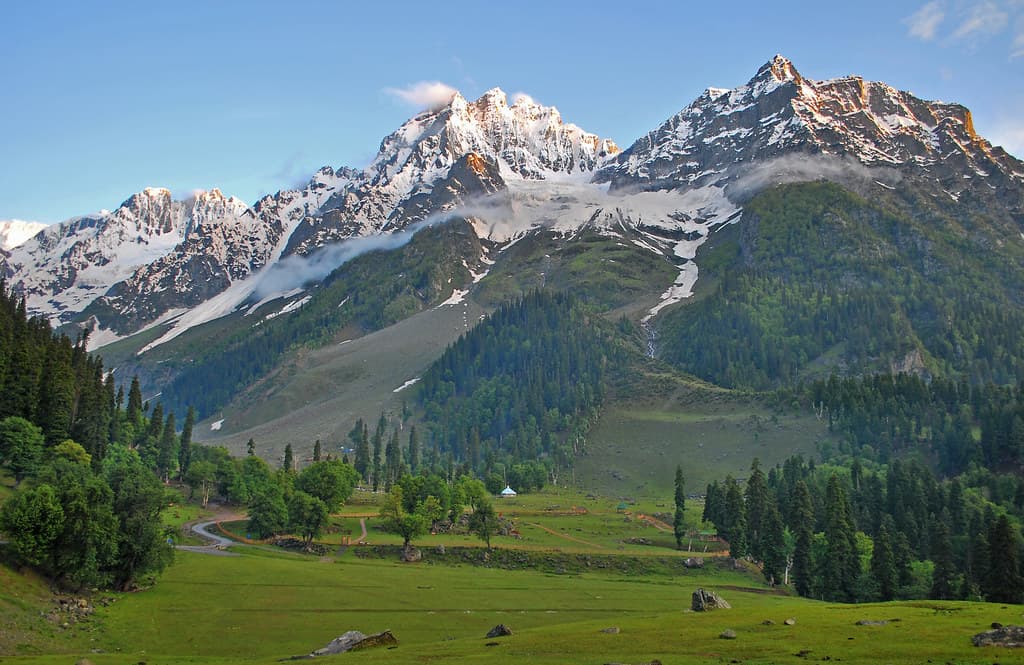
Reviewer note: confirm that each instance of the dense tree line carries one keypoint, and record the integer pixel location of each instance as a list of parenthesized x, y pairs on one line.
[(855, 533), (817, 276), (87, 508), (522, 385), (956, 425)]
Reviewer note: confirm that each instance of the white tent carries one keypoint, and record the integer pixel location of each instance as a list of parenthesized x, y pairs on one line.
[(507, 492)]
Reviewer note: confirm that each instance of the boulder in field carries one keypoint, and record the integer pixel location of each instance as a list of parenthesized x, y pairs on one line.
[(501, 630), (705, 601), (1005, 636)]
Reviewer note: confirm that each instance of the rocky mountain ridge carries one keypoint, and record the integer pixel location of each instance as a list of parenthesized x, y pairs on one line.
[(514, 169)]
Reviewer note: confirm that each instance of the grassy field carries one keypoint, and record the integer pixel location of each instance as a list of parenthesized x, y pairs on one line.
[(260, 607), (634, 448)]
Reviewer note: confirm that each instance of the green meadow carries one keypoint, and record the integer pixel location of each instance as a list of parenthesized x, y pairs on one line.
[(260, 607), (265, 604)]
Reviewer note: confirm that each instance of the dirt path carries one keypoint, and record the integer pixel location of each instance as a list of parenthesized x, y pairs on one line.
[(565, 535), (362, 525), (655, 522), (216, 542)]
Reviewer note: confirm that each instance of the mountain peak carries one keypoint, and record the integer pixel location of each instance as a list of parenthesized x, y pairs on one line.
[(780, 69), (495, 97)]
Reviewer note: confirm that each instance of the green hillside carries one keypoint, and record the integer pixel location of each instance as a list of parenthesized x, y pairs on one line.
[(816, 279)]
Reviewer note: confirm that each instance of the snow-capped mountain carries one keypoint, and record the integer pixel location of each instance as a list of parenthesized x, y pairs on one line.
[(65, 267), (217, 251), (779, 112), (511, 170), (14, 232), (420, 168)]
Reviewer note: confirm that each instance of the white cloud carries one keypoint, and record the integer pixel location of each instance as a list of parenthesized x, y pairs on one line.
[(518, 97), (424, 94), (925, 21), (984, 18)]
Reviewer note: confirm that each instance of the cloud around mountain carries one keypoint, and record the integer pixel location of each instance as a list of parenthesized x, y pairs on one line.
[(423, 94)]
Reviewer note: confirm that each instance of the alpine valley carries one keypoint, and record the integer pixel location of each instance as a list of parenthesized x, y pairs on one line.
[(457, 388), (766, 235)]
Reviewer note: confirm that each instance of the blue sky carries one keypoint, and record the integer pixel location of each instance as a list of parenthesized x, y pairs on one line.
[(102, 99)]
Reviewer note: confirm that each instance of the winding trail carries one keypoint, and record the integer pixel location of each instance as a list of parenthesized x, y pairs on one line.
[(362, 525), (216, 543)]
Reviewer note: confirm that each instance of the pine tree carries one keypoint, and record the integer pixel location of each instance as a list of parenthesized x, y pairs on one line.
[(185, 443), (392, 461), (166, 451), (289, 461), (414, 450), (735, 516), (841, 563), (250, 447), (1004, 579), (378, 449), (359, 436), (678, 522), (316, 451), (773, 544), (756, 503), (944, 572), (803, 527), (883, 563), (135, 403)]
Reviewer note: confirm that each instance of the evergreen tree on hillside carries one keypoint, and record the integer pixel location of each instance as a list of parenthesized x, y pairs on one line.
[(803, 528), (678, 522), (392, 461), (773, 544), (944, 572), (1004, 584), (288, 464), (316, 451), (756, 497), (413, 454), (185, 443), (883, 564), (841, 566), (378, 450), (167, 449), (361, 442)]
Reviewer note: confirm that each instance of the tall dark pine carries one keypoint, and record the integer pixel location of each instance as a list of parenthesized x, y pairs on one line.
[(841, 565), (413, 454), (757, 504), (678, 523), (392, 460), (165, 458), (883, 563), (1004, 584), (944, 572), (803, 528), (185, 443), (135, 403), (360, 437), (773, 544), (289, 460), (378, 449), (316, 451)]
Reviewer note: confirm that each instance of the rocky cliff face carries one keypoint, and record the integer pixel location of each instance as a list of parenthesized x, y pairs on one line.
[(780, 113), (446, 156)]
